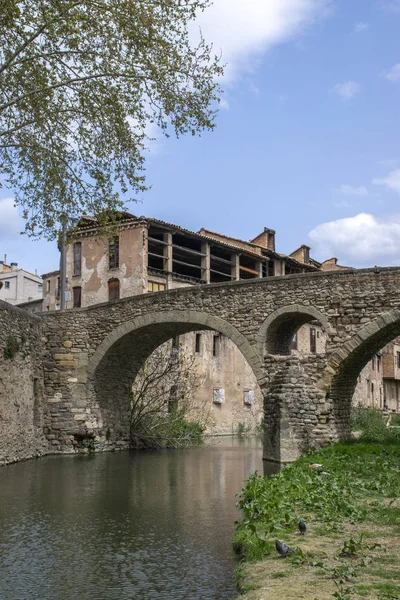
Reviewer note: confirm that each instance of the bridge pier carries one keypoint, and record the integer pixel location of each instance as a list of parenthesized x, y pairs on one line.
[(298, 414)]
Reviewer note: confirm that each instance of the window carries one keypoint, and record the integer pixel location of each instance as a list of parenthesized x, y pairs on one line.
[(398, 360), (294, 342), (198, 342), (40, 287), (113, 253), (216, 344), (378, 363), (77, 259), (317, 334), (313, 341), (77, 297), (372, 388), (48, 285), (58, 288), (6, 285), (154, 286), (113, 289), (373, 363), (218, 395), (249, 397)]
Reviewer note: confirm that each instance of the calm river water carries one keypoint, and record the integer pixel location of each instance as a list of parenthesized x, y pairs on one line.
[(125, 526)]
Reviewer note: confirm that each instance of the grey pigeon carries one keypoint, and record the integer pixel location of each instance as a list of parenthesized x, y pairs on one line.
[(302, 526), (282, 548)]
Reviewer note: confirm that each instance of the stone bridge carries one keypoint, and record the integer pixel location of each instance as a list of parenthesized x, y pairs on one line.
[(91, 355)]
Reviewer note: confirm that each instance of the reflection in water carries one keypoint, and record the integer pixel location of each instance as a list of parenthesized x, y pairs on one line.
[(137, 526)]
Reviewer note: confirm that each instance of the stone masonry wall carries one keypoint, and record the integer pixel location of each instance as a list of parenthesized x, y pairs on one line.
[(21, 385), (92, 354)]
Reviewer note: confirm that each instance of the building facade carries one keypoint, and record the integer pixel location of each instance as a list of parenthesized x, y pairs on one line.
[(18, 286)]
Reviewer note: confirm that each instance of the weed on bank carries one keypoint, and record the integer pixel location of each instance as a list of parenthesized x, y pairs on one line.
[(349, 495)]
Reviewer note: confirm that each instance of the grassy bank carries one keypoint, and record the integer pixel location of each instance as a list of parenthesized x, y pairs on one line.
[(349, 494)]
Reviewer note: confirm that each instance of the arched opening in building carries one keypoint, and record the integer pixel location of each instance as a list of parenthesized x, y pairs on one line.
[(120, 358)]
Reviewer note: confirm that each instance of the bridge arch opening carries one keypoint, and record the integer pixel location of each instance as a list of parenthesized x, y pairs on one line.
[(277, 335), (116, 363), (348, 363)]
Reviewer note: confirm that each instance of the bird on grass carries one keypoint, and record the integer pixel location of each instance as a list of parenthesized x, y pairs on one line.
[(302, 526), (282, 548)]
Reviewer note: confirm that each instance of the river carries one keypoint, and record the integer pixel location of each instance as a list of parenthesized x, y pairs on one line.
[(124, 526)]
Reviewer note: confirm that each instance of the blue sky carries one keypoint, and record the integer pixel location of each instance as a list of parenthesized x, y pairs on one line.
[(307, 138)]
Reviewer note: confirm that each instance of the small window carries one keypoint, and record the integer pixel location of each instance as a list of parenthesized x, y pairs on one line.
[(313, 341), (77, 259), (294, 342), (40, 287), (113, 253), (77, 297), (218, 395), (154, 286), (372, 388), (398, 360), (249, 397), (378, 363), (6, 285), (48, 285), (113, 289), (318, 334), (58, 288), (373, 363), (216, 345), (198, 343)]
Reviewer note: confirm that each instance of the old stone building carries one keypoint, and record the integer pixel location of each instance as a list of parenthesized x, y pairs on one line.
[(391, 375)]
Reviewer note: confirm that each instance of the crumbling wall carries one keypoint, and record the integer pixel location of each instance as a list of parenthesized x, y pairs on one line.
[(21, 385)]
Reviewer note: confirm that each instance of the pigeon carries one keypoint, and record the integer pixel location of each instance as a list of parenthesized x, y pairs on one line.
[(282, 548), (302, 526)]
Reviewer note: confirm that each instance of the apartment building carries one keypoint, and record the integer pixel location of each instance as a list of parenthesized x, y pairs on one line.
[(18, 286)]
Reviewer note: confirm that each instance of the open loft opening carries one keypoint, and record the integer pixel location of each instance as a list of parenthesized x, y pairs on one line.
[(222, 263)]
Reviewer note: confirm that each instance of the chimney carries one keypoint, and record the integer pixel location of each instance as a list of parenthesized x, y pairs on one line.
[(266, 239), (1, 266), (14, 266), (306, 254)]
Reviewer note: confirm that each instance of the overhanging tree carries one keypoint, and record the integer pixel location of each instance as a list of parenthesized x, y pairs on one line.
[(81, 82)]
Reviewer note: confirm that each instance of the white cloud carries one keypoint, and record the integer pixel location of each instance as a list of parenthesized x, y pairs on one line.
[(243, 30), (350, 190), (360, 240), (10, 222), (360, 26), (348, 90), (392, 181), (390, 163), (394, 74), (224, 104)]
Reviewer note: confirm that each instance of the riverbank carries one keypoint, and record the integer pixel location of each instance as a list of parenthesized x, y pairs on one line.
[(349, 495)]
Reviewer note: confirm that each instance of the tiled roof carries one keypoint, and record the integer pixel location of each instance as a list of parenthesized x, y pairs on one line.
[(127, 218)]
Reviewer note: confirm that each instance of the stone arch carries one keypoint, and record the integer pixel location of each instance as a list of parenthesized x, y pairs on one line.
[(346, 363), (276, 333), (196, 320), (117, 360)]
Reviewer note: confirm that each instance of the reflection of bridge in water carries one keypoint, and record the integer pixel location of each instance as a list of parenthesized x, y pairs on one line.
[(99, 350)]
